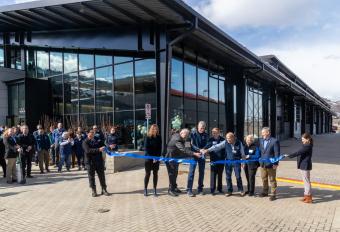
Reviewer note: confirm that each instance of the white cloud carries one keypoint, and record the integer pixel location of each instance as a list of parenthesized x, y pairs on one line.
[(234, 13), (22, 1), (316, 64)]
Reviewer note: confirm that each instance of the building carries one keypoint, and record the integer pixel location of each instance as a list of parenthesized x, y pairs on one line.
[(85, 62)]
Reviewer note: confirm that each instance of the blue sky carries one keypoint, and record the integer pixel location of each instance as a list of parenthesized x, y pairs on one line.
[(304, 34)]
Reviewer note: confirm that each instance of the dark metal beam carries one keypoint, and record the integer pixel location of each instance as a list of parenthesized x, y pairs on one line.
[(15, 23), (61, 15), (150, 12), (38, 18), (11, 18), (84, 17), (53, 16), (123, 11), (26, 16), (111, 18), (11, 24)]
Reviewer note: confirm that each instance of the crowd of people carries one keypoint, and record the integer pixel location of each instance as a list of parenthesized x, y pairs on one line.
[(61, 147)]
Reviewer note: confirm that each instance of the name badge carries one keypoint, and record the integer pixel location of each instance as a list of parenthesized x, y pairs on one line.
[(234, 151), (187, 144), (251, 151)]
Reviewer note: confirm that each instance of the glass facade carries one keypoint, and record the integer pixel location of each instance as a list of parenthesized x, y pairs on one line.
[(196, 94), (2, 57), (89, 89), (253, 121), (16, 103)]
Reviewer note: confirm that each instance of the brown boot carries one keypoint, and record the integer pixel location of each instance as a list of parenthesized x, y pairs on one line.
[(304, 198), (308, 199)]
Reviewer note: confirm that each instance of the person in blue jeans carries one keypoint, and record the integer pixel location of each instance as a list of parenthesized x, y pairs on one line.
[(65, 151), (199, 141), (234, 150)]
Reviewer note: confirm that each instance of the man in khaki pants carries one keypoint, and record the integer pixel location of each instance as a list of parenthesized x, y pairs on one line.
[(11, 154), (42, 145), (270, 148)]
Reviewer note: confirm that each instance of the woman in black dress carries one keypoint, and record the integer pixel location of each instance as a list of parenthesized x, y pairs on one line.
[(153, 147)]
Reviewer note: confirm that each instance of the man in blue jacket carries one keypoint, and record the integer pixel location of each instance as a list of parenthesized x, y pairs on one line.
[(233, 151), (270, 148), (42, 146), (57, 138), (199, 140)]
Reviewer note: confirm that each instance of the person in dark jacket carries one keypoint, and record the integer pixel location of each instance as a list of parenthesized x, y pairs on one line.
[(304, 163), (234, 150), (199, 140), (152, 147), (270, 148), (42, 146), (11, 153), (2, 156), (178, 147), (57, 138), (216, 170), (112, 140), (78, 148), (94, 161), (27, 143), (36, 155), (252, 152)]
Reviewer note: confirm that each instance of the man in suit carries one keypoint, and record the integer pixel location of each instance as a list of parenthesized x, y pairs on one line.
[(270, 148), (178, 147)]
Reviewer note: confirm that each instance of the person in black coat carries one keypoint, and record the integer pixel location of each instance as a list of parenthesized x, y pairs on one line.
[(216, 170), (2, 156), (27, 142), (94, 162), (152, 147), (304, 163), (112, 140), (252, 152)]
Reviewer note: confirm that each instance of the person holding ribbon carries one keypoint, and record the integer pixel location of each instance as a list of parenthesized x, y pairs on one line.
[(234, 152), (304, 163), (178, 147), (270, 148), (199, 140), (152, 147), (252, 152), (216, 170)]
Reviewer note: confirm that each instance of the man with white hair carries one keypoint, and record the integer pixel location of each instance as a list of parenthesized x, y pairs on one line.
[(270, 148), (199, 140), (178, 147)]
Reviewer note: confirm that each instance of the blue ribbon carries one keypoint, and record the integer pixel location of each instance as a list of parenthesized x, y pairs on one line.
[(189, 161)]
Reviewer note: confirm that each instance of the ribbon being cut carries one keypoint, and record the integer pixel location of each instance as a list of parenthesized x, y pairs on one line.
[(190, 161)]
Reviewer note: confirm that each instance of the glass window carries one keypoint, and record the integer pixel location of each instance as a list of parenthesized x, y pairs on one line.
[(123, 85), (103, 60), (71, 93), (16, 58), (104, 81), (213, 103), (86, 61), (30, 62), (105, 120), (145, 83), (176, 92), (122, 59), (125, 127), (2, 57), (221, 104), (57, 95), (86, 121), (56, 63), (86, 91), (21, 99), (71, 121), (42, 64), (70, 62), (13, 100), (202, 95), (190, 113), (141, 127)]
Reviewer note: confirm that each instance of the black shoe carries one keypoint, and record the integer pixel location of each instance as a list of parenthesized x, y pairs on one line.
[(68, 170), (251, 195), (79, 168), (200, 193), (177, 190), (15, 181), (48, 170), (9, 182), (41, 172), (172, 193), (263, 195), (228, 194), (191, 194), (94, 193), (145, 192), (104, 192), (246, 192), (155, 192), (213, 193), (220, 191), (272, 198), (30, 176)]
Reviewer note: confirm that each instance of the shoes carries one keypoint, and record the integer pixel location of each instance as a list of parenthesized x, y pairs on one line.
[(155, 192), (104, 192), (14, 180), (191, 194), (304, 198), (30, 176), (172, 193), (9, 182), (228, 194), (201, 193), (251, 194), (308, 199), (246, 192), (94, 193), (243, 194), (79, 168), (177, 190), (145, 192), (41, 172), (263, 195), (68, 170), (220, 192), (48, 170), (272, 198)]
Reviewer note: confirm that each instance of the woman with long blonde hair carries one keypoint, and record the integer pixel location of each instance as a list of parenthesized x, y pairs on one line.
[(153, 147)]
